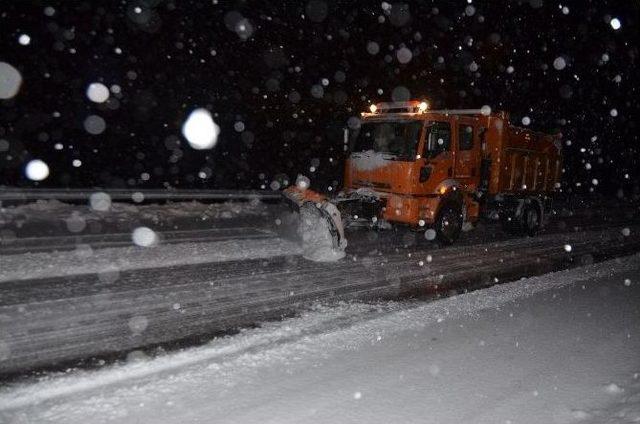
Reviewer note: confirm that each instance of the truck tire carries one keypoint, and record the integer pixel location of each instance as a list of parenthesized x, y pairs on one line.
[(448, 224), (531, 220)]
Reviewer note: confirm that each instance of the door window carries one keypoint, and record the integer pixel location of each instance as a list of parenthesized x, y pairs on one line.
[(438, 139)]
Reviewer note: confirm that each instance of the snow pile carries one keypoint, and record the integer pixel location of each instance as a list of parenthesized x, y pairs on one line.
[(368, 160), (318, 244), (84, 259)]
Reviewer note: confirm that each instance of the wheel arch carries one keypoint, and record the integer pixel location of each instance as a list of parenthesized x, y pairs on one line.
[(449, 193)]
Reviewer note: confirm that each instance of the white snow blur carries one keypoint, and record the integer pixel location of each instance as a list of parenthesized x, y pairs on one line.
[(615, 24), (97, 92), (430, 234), (94, 124), (559, 63), (24, 39), (404, 55), (10, 81), (36, 170), (200, 130), (144, 237), (302, 182), (100, 201)]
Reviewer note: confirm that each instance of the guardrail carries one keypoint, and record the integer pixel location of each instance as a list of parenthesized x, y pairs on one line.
[(32, 194)]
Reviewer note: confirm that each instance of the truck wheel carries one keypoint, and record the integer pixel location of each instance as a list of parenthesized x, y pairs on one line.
[(531, 220), (448, 224)]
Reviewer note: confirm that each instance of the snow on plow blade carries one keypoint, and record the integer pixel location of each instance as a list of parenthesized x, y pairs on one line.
[(320, 225)]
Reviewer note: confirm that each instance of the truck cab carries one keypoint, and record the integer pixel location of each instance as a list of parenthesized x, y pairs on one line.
[(408, 160)]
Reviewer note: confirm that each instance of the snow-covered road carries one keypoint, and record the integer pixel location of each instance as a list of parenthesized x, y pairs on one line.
[(559, 348), (113, 300), (93, 294)]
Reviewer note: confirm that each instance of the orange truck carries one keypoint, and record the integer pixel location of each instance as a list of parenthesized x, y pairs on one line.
[(437, 169)]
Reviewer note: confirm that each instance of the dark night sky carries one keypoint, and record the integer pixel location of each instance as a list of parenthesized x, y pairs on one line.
[(262, 63)]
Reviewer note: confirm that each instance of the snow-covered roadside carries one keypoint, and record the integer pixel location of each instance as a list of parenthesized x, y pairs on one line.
[(559, 348), (112, 260), (103, 209)]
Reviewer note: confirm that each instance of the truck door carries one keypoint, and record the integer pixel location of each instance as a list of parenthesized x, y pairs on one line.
[(467, 153), (438, 152)]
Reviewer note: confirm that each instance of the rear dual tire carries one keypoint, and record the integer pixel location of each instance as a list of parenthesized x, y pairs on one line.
[(528, 222), (531, 220)]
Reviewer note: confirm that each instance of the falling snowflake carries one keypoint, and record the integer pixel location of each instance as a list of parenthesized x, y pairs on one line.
[(144, 237), (10, 81), (559, 63), (24, 40), (615, 24), (97, 92), (200, 130), (94, 124), (36, 170)]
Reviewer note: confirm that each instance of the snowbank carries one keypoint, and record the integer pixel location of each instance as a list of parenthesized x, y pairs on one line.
[(317, 240), (85, 260), (50, 210)]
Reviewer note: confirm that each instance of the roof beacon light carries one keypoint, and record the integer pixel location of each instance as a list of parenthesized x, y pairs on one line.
[(373, 108), (422, 107)]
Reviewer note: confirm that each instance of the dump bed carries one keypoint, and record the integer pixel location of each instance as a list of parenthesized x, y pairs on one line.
[(521, 161)]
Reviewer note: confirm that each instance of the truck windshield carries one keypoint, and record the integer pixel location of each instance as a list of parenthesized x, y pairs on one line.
[(399, 139)]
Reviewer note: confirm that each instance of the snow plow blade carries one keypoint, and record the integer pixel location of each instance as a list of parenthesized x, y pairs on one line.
[(315, 209)]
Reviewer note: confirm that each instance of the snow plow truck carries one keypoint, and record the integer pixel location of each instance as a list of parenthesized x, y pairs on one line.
[(433, 170)]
